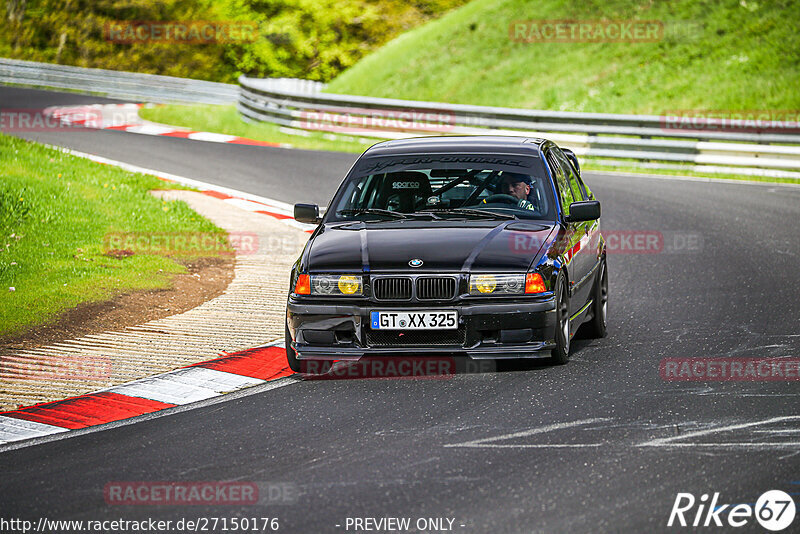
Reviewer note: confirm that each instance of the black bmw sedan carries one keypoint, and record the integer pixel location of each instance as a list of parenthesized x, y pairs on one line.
[(484, 246)]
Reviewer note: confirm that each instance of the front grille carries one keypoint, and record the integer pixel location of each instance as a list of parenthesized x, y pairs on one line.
[(391, 288), (433, 288), (409, 338)]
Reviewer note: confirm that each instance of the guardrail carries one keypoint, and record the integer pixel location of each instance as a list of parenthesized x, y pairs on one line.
[(600, 135), (300, 104), (130, 86)]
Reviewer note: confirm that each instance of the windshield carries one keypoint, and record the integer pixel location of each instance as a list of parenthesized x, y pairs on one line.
[(446, 192)]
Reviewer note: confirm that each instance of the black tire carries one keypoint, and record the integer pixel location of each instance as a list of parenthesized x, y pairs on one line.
[(596, 328), (560, 354), (309, 367), (291, 355)]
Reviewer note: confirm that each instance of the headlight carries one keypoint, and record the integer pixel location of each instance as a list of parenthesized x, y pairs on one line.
[(506, 284), (496, 284), (337, 284)]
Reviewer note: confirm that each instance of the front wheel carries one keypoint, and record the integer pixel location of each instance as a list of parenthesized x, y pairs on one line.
[(309, 367), (291, 355), (560, 354)]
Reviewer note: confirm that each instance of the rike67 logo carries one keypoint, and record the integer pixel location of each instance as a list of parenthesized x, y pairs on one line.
[(774, 510)]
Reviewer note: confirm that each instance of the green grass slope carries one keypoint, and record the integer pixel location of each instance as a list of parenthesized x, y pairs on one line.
[(715, 55), (59, 212)]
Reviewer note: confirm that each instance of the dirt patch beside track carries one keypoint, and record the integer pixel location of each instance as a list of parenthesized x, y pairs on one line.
[(226, 315), (206, 279)]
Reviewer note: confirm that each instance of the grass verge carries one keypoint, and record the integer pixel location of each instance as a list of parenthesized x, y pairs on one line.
[(715, 55), (57, 213)]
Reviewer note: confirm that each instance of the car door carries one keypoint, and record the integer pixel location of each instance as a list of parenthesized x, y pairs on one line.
[(568, 240), (584, 254)]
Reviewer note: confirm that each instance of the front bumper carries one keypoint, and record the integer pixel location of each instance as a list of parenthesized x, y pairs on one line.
[(496, 330)]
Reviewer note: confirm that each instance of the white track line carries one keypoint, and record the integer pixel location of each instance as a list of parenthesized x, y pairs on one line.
[(176, 178), (670, 441), (487, 442), (257, 202)]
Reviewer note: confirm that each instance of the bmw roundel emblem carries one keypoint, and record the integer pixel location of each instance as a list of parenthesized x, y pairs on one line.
[(416, 262)]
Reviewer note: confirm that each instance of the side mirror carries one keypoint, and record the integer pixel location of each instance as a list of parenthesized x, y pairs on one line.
[(573, 158), (307, 213), (587, 210)]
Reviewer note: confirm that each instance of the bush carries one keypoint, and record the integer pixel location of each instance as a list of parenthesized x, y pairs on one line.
[(314, 39)]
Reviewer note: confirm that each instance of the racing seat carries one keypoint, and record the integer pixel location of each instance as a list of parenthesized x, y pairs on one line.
[(403, 191), (533, 196)]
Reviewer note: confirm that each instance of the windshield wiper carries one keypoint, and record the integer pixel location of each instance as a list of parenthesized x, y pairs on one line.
[(395, 214), (375, 211), (484, 214)]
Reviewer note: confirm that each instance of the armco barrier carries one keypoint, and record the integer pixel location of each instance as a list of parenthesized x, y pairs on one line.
[(599, 135), (301, 104), (131, 86)]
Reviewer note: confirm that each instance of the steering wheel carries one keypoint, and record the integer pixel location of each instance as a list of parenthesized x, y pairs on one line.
[(508, 199)]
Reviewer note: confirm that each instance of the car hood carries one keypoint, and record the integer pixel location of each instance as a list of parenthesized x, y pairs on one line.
[(451, 246)]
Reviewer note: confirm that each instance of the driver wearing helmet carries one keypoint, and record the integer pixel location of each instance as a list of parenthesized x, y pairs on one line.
[(518, 186)]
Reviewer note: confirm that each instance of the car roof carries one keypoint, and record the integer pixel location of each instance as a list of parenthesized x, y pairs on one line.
[(467, 143)]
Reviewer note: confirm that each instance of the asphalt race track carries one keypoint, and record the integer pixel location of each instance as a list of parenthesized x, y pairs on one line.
[(271, 172), (603, 444)]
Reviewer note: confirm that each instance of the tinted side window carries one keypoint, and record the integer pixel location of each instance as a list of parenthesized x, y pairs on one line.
[(587, 193), (564, 191), (578, 192)]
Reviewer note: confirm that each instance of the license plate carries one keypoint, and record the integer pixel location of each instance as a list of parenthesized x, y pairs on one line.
[(414, 320)]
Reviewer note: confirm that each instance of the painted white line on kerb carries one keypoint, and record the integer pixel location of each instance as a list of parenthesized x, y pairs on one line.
[(13, 429), (220, 382), (274, 205), (211, 137), (671, 441), (185, 386), (249, 205), (149, 129), (487, 442), (175, 178), (267, 386)]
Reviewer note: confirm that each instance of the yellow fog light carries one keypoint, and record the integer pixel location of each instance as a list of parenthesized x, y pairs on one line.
[(349, 285), (485, 283)]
